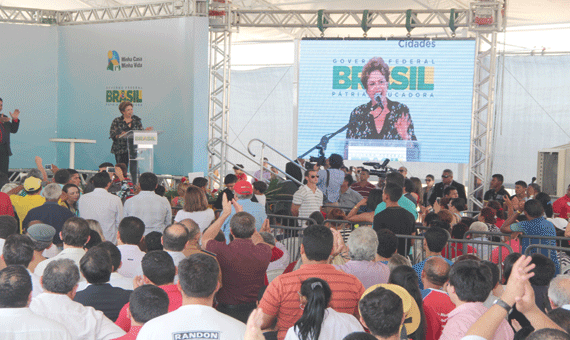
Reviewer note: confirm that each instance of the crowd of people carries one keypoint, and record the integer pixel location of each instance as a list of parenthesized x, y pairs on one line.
[(105, 259)]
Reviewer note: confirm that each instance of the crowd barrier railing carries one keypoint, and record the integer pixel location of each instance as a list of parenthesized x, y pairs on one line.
[(290, 221), (486, 233), (557, 239), (414, 247), (273, 206), (291, 238)]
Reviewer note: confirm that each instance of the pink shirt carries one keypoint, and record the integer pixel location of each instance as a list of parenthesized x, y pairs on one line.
[(463, 316)]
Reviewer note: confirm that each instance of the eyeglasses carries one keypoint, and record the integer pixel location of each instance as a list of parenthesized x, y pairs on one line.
[(445, 176), (315, 176)]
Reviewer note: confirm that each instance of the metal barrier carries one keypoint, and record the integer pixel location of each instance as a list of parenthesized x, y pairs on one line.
[(557, 239), (274, 206), (261, 156), (289, 221), (291, 238), (486, 233), (451, 251)]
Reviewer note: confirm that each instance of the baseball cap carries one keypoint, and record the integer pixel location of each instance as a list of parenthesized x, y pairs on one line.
[(238, 167), (41, 232), (32, 184), (559, 222), (243, 188), (411, 310)]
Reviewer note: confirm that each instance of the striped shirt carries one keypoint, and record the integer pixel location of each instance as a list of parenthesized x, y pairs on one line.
[(308, 200), (281, 299)]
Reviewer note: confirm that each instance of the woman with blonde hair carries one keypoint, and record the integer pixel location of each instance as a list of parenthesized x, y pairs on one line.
[(178, 201), (196, 208)]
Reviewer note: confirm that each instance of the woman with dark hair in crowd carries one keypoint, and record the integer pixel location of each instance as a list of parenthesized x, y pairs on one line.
[(488, 216), (320, 322), (70, 198), (407, 278), (500, 213), (418, 190), (364, 210)]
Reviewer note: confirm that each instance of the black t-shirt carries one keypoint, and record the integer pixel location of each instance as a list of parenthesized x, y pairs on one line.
[(229, 194), (491, 195), (399, 221)]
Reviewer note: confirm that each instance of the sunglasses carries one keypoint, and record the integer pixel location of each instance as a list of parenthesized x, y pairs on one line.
[(315, 176), (445, 176), (428, 179), (401, 170)]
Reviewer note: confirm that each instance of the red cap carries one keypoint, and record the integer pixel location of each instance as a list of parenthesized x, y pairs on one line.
[(243, 188)]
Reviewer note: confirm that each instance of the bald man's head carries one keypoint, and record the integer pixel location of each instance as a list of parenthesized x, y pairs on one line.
[(175, 237), (436, 272)]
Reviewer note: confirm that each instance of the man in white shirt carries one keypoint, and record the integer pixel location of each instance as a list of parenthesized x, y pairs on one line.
[(154, 210), (131, 231), (74, 234), (19, 250), (56, 303), (16, 319), (308, 198), (102, 206), (116, 280), (175, 240), (198, 285)]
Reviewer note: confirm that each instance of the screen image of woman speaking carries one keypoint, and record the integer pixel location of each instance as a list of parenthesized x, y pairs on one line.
[(380, 118)]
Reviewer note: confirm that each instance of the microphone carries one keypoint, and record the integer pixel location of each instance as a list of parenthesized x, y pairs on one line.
[(370, 163), (378, 99), (386, 161)]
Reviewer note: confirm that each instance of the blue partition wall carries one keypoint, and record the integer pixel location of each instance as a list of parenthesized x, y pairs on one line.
[(160, 65)]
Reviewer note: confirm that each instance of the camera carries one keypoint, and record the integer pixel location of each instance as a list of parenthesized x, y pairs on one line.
[(380, 170), (110, 169), (47, 166)]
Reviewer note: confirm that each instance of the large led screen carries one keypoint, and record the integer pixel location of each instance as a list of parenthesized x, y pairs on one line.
[(415, 107)]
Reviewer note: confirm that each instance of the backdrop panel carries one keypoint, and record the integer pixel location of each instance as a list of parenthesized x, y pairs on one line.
[(532, 112), (28, 82), (159, 65)]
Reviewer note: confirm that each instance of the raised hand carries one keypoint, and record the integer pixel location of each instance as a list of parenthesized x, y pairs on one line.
[(15, 114)]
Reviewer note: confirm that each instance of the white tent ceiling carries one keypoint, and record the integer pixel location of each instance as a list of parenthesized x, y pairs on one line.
[(520, 12), (523, 18)]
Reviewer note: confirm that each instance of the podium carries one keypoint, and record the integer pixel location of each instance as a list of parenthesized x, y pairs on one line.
[(141, 152)]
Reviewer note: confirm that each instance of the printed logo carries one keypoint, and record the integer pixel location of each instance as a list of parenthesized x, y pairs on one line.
[(196, 335), (118, 94), (114, 61)]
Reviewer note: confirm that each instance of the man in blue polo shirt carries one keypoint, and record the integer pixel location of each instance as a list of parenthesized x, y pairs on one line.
[(535, 225), (435, 239), (244, 193)]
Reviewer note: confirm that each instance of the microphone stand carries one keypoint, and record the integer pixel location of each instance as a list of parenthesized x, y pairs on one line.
[(322, 145)]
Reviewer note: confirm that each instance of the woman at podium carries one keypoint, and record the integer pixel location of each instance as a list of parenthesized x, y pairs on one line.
[(119, 129), (380, 118)]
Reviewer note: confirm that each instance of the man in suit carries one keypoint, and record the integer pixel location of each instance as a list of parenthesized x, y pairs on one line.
[(446, 181), (7, 127), (96, 266)]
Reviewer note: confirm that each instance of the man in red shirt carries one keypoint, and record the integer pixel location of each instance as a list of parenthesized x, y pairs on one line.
[(363, 187), (243, 262), (434, 276), (146, 303), (562, 205), (281, 299), (159, 270)]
